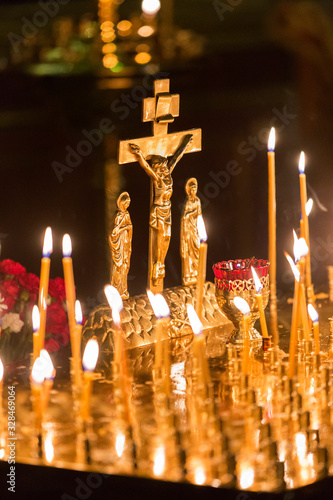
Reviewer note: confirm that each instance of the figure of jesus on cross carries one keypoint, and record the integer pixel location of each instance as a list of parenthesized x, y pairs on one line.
[(152, 153)]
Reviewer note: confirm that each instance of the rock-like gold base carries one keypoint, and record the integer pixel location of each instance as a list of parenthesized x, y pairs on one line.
[(138, 319)]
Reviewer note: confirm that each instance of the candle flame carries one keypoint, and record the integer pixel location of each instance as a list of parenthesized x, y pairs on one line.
[(242, 305), (66, 246), (46, 364), (313, 313), (199, 475), (303, 248), (271, 140), (48, 448), (48, 243), (195, 322), (115, 302), (1, 370), (150, 7), (159, 461), (35, 319), (78, 312), (301, 163), (257, 282), (293, 266), (37, 372), (308, 206), (120, 444), (300, 247), (159, 305), (201, 229), (90, 355), (246, 478)]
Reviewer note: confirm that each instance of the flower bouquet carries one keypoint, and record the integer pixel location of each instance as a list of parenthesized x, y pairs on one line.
[(18, 295)]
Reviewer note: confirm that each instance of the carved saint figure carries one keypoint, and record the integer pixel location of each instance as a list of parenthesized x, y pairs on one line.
[(159, 170), (120, 241), (189, 236)]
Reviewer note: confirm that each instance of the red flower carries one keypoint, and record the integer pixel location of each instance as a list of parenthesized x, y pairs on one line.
[(57, 323), (30, 282), (57, 290), (9, 290), (51, 345), (11, 268)]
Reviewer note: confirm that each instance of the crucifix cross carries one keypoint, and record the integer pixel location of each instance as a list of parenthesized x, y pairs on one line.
[(158, 156)]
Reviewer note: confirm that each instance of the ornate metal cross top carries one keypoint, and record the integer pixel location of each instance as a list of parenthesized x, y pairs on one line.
[(158, 156)]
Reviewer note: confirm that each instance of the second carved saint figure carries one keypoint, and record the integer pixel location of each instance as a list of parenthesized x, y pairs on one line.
[(189, 236), (120, 241)]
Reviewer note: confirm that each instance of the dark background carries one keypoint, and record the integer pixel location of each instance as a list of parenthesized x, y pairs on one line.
[(235, 64)]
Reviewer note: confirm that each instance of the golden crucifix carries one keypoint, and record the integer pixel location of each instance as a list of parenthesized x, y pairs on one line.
[(152, 153)]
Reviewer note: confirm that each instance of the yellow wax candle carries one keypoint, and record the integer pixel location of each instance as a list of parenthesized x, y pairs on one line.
[(116, 304), (198, 345), (201, 266), (303, 194), (37, 379), (76, 353), (89, 362), (67, 264), (44, 284), (315, 322), (294, 320), (272, 214), (162, 313), (258, 297), (49, 374), (35, 326)]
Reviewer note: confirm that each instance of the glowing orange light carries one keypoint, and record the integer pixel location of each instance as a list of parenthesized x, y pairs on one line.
[(109, 48), (110, 60), (142, 58), (146, 31)]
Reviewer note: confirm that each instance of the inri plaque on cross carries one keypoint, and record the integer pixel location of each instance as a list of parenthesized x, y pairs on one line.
[(158, 156)]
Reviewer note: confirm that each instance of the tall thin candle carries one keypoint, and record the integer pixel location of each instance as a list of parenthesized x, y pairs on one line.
[(315, 321), (44, 285), (201, 266), (304, 199), (35, 327), (272, 213), (67, 264)]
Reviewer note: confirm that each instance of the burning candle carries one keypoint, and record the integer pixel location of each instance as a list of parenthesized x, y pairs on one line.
[(37, 388), (116, 304), (44, 284), (201, 266), (300, 251), (162, 313), (89, 362), (49, 373), (76, 346), (198, 344), (258, 297), (272, 213), (305, 212), (293, 331), (67, 264), (35, 327), (315, 322), (244, 308)]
